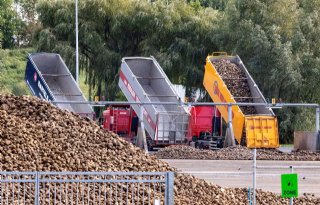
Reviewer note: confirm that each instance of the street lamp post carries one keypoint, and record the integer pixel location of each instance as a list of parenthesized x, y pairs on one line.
[(77, 48)]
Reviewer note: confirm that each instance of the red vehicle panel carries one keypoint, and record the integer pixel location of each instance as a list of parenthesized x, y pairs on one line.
[(121, 120), (124, 121), (204, 119)]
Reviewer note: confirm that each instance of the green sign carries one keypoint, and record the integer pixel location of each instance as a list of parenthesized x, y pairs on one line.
[(289, 185)]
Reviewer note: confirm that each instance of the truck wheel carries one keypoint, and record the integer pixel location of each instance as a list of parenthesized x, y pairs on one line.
[(201, 146)]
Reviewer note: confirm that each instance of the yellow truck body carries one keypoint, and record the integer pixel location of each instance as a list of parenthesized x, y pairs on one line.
[(261, 129)]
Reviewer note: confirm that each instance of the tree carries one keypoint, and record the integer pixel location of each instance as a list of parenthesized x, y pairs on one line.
[(109, 30), (8, 24), (28, 10), (306, 49), (29, 26), (258, 40)]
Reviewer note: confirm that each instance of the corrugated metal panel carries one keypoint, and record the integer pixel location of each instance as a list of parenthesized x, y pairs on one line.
[(262, 131), (304, 140)]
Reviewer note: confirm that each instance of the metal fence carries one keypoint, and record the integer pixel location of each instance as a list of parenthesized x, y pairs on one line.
[(52, 188), (229, 105)]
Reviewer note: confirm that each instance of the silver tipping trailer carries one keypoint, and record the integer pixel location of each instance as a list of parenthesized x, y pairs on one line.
[(143, 80), (48, 78)]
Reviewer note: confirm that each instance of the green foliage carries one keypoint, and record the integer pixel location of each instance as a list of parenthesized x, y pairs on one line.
[(12, 69), (216, 4), (17, 23), (129, 28), (28, 15), (9, 22), (28, 9)]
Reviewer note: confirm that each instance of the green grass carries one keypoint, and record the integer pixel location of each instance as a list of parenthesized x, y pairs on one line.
[(286, 145), (12, 70), (83, 87)]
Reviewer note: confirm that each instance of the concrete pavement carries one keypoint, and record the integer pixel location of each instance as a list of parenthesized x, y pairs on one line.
[(238, 173)]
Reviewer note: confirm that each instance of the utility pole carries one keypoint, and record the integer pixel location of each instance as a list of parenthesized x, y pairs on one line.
[(77, 48)]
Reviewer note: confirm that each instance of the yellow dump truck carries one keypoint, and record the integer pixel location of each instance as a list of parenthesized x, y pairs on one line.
[(256, 125)]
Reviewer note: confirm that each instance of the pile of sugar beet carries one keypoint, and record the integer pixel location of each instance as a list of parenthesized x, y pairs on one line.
[(36, 136), (236, 82), (234, 153)]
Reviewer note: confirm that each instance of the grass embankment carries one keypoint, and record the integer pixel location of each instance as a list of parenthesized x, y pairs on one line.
[(12, 71), (12, 68)]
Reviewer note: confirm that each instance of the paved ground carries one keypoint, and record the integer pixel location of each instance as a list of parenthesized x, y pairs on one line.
[(235, 173), (287, 148)]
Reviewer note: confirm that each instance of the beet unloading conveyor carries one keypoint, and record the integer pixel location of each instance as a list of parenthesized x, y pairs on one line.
[(48, 78), (143, 80)]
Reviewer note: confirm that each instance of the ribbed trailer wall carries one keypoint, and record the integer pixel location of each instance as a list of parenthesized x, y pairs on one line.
[(261, 129), (143, 80), (48, 77)]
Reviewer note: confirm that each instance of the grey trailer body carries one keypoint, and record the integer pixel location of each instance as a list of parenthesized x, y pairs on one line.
[(143, 80), (48, 77)]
